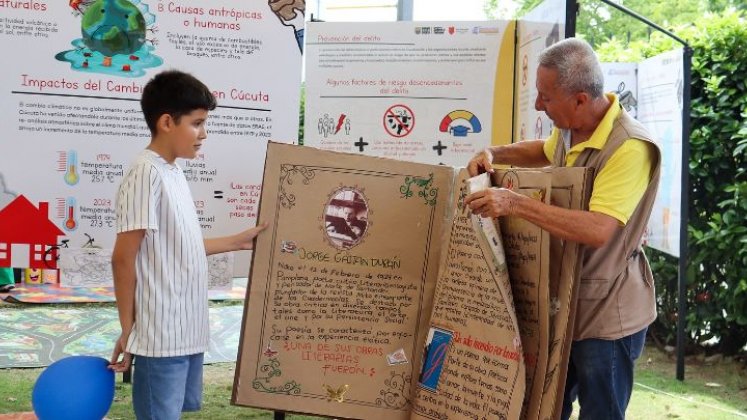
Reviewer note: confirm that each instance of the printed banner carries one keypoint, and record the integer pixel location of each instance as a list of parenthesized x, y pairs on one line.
[(651, 91), (660, 86), (428, 92), (72, 117), (537, 30)]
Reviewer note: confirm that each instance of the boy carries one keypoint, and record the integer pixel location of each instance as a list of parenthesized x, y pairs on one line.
[(160, 258)]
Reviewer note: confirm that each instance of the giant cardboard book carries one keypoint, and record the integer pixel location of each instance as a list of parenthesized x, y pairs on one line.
[(374, 293)]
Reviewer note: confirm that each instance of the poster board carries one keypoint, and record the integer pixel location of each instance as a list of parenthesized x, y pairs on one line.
[(73, 123), (413, 314), (92, 267), (652, 92), (622, 80), (660, 90), (541, 27), (429, 92)]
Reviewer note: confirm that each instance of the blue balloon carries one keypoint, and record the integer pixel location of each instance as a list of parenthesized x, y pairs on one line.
[(74, 388)]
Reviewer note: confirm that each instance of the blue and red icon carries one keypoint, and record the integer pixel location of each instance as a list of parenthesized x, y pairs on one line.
[(459, 123)]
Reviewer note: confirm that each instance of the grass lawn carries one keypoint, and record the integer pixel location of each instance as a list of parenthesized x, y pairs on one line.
[(710, 391), (713, 392)]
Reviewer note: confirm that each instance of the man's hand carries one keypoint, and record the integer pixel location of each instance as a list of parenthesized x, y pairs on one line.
[(586, 227), (482, 162), (119, 350), (493, 202)]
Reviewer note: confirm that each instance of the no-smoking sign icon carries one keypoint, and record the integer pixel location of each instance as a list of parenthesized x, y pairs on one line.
[(399, 120)]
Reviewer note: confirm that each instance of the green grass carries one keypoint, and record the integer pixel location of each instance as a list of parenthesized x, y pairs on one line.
[(16, 386), (709, 392), (216, 399), (15, 389)]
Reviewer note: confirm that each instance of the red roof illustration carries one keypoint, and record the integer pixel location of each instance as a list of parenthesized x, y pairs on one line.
[(21, 222)]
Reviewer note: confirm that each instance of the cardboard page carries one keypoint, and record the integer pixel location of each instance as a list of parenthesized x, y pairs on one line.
[(571, 188), (473, 364), (528, 254), (546, 308), (341, 283)]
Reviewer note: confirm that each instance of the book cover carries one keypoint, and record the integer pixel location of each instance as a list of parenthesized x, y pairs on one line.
[(375, 293)]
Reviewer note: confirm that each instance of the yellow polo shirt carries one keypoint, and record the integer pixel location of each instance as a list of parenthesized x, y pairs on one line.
[(621, 183)]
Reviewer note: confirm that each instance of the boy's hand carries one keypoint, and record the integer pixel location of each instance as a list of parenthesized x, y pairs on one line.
[(119, 349), (245, 240)]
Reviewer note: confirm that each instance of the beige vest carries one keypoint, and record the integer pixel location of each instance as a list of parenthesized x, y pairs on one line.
[(616, 292)]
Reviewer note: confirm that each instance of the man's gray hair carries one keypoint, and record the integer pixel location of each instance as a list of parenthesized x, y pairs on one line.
[(577, 66)]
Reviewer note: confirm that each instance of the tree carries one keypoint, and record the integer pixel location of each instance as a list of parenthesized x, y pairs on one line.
[(502, 9), (598, 22)]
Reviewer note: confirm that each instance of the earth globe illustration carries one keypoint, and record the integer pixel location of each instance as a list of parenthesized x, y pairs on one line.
[(113, 27)]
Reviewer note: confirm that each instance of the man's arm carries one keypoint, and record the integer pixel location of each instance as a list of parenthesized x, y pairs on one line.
[(240, 241), (526, 154), (580, 226), (125, 252)]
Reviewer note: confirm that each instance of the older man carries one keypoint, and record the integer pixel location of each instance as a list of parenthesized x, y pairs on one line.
[(616, 293)]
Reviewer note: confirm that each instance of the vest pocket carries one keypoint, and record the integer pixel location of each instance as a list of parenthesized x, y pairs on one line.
[(594, 289), (645, 267)]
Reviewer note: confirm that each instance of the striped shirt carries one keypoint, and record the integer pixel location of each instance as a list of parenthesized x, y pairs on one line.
[(171, 305)]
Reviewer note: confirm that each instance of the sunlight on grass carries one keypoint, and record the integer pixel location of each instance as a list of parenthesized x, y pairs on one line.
[(649, 404), (711, 392)]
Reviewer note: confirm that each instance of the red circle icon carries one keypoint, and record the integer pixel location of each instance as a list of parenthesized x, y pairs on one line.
[(399, 120)]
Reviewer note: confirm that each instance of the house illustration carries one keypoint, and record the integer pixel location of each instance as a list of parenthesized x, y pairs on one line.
[(22, 223)]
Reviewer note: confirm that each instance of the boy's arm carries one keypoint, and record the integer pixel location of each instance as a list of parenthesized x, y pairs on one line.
[(240, 241), (125, 251)]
